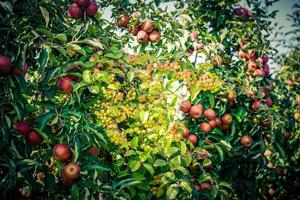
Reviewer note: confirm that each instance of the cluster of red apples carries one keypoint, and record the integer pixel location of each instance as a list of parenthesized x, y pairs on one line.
[(212, 121), (6, 68), (65, 83), (144, 31), (32, 136), (79, 7), (240, 11)]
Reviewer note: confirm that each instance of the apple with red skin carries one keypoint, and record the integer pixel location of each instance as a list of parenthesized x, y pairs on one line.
[(74, 11), (34, 138), (71, 171), (193, 180), (123, 21), (265, 91), (238, 11), (22, 127), (193, 139), (227, 119), (65, 180), (186, 132), (212, 123), (135, 30), (154, 36), (61, 152), (65, 84), (209, 114), (142, 37), (246, 141), (92, 9), (203, 154), (147, 26), (82, 3), (190, 50), (256, 105), (197, 187), (205, 127), (94, 151), (185, 106), (205, 187), (196, 111), (259, 72), (73, 68), (4, 65), (218, 122), (269, 102), (265, 59), (252, 66), (225, 127), (266, 69)]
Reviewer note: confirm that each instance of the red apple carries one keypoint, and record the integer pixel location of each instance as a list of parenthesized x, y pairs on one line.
[(135, 30), (266, 69), (196, 111), (185, 106), (123, 21), (204, 154), (71, 171), (154, 36), (256, 105), (197, 187), (65, 180), (265, 59), (74, 11), (147, 26), (82, 3), (34, 138), (265, 91), (193, 139), (22, 127), (65, 84), (205, 187), (94, 151), (92, 9), (209, 114), (242, 54), (252, 55), (4, 65), (269, 102), (61, 152), (193, 180), (205, 127), (252, 66), (246, 141), (194, 35), (227, 119), (142, 37), (238, 11), (212, 123), (259, 72), (186, 132)]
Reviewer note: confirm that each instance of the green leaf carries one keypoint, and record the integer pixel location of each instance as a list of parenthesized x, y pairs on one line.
[(221, 152), (182, 148), (159, 163), (98, 166), (134, 165), (61, 37), (77, 48), (87, 76), (43, 59), (45, 14), (94, 89), (134, 142), (172, 192), (175, 162), (204, 177), (144, 115), (186, 186), (149, 168)]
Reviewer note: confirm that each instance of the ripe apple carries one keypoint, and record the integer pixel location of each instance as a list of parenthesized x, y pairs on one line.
[(4, 65), (265, 59), (193, 139), (65, 84), (204, 154), (269, 102), (209, 114), (22, 127), (34, 138), (135, 30), (242, 54), (225, 127), (205, 127), (185, 106), (123, 21), (265, 91), (186, 132), (154, 36), (252, 66), (65, 180), (266, 69), (74, 11), (82, 3), (227, 118), (238, 11), (256, 105), (259, 72), (196, 111), (92, 9), (246, 141), (193, 180), (142, 37), (94, 151), (71, 171), (147, 26), (61, 152), (218, 122), (212, 123), (205, 187), (197, 187)]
